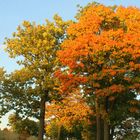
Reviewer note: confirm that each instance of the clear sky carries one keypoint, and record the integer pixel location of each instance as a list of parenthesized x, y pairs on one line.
[(14, 12)]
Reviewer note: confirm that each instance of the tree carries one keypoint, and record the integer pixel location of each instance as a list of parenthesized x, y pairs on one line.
[(54, 131), (71, 113), (37, 46), (102, 55), (128, 129), (18, 93), (20, 125), (3, 109)]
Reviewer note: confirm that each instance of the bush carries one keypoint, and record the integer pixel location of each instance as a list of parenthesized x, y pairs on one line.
[(32, 138), (8, 135)]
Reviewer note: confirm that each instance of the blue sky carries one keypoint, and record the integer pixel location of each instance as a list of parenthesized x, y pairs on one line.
[(14, 12)]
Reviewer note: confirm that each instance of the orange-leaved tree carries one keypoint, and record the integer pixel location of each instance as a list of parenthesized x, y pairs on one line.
[(102, 56), (71, 112)]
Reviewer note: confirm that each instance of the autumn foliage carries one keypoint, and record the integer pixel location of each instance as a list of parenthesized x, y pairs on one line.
[(102, 50), (85, 72), (36, 45), (72, 110)]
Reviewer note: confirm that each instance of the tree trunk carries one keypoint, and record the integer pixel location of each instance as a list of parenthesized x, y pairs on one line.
[(98, 129), (99, 124), (106, 130), (59, 132), (102, 129), (112, 133), (106, 124), (42, 117)]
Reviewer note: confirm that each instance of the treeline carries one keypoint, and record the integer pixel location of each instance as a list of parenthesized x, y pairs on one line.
[(78, 78)]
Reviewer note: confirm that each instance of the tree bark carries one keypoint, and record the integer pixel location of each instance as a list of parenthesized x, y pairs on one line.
[(98, 129), (42, 117), (99, 123), (59, 132), (106, 124), (112, 133), (106, 130), (102, 129)]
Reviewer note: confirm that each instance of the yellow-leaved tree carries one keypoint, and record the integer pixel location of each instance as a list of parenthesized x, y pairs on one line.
[(37, 46)]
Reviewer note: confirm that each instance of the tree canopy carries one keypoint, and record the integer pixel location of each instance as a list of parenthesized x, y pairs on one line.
[(37, 46), (102, 54), (84, 72)]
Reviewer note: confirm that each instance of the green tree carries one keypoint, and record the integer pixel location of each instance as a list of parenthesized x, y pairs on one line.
[(20, 125), (17, 93), (55, 130), (128, 129)]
